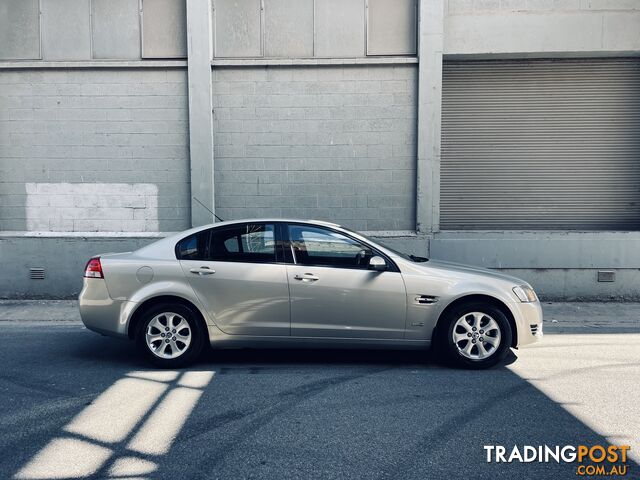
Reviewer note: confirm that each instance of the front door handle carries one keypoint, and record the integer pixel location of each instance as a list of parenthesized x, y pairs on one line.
[(307, 277), (203, 271)]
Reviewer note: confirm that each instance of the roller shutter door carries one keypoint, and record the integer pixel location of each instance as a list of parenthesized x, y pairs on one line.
[(551, 144)]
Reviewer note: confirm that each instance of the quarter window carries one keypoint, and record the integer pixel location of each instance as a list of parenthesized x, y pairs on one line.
[(322, 247), (193, 247)]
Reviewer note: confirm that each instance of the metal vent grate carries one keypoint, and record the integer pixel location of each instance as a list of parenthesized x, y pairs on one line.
[(36, 273), (606, 276)]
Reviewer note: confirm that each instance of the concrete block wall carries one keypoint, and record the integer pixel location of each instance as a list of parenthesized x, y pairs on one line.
[(75, 143), (327, 142), (542, 27)]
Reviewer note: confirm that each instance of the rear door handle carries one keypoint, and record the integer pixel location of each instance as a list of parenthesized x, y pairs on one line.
[(307, 277), (203, 271)]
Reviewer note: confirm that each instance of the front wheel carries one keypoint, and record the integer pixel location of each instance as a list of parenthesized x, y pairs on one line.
[(170, 335), (476, 335)]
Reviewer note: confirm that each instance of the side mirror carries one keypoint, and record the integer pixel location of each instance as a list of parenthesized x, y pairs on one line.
[(378, 264)]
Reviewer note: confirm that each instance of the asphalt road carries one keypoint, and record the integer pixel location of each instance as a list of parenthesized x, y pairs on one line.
[(74, 404)]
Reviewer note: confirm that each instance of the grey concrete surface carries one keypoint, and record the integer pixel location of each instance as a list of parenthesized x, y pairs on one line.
[(430, 47), (591, 317), (39, 310), (201, 158), (587, 28), (75, 404)]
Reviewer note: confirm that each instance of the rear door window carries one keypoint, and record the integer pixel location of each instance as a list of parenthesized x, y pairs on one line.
[(247, 242)]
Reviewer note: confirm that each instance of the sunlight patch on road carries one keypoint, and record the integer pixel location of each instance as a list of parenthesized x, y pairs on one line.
[(139, 417), (195, 379), (65, 458), (589, 385), (157, 375), (109, 418), (157, 434), (132, 467)]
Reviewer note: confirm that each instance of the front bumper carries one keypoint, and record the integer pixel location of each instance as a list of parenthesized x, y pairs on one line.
[(528, 317), (99, 312)]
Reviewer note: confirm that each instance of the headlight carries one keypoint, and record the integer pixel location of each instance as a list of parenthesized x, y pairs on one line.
[(525, 293)]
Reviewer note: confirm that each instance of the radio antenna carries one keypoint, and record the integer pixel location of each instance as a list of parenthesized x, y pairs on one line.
[(217, 217)]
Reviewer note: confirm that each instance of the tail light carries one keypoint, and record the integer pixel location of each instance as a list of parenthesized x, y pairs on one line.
[(93, 268)]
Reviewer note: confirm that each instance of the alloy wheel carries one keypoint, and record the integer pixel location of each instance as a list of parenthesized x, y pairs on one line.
[(168, 335), (476, 335)]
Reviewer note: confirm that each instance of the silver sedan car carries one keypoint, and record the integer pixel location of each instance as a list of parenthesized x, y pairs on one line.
[(292, 283)]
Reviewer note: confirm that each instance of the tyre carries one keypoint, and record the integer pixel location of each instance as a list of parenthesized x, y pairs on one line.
[(475, 335), (170, 335)]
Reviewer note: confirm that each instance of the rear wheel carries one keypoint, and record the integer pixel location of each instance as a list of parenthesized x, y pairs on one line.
[(170, 335), (475, 335)]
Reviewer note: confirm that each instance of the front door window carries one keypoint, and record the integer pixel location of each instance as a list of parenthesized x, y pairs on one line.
[(325, 248)]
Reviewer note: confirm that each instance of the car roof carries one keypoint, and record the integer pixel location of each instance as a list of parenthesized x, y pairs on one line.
[(262, 220), (174, 237)]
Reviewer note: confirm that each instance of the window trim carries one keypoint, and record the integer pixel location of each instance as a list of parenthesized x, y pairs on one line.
[(278, 250), (290, 258)]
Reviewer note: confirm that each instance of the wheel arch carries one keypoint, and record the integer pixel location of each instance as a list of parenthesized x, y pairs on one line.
[(138, 313), (488, 299)]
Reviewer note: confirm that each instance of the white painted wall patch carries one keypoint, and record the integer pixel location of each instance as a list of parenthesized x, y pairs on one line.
[(92, 207)]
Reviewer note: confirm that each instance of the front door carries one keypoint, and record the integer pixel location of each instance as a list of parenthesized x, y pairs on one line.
[(335, 294), (235, 273)]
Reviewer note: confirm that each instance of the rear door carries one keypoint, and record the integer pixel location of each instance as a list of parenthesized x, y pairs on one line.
[(237, 273), (335, 294)]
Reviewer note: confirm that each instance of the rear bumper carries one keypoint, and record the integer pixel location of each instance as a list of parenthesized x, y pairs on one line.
[(99, 312), (528, 317)]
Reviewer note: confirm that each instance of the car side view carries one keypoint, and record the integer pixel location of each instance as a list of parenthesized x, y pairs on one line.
[(293, 283)]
